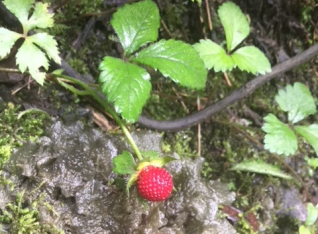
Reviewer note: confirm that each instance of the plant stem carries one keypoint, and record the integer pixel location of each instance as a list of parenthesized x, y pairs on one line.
[(94, 94)]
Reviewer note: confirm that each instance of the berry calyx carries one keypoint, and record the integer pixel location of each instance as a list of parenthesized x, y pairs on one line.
[(154, 183)]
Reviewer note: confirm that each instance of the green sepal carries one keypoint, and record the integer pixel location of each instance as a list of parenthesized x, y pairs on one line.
[(260, 167), (160, 162), (124, 163), (132, 179), (280, 138), (149, 155)]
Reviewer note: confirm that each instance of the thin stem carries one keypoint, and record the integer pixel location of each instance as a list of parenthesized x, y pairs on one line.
[(90, 91)]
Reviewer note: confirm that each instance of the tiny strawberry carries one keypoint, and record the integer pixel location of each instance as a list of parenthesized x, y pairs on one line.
[(154, 183)]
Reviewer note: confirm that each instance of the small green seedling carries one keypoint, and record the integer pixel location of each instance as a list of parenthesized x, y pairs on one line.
[(30, 56), (298, 102), (125, 81), (312, 215), (236, 27)]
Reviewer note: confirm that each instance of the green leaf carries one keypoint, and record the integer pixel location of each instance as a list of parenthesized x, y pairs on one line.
[(32, 58), (313, 162), (40, 17), (136, 25), (260, 167), (177, 60), (20, 8), (280, 138), (47, 43), (7, 40), (125, 84), (235, 24), (310, 133), (124, 163), (214, 56), (304, 230), (251, 59), (312, 214), (297, 101)]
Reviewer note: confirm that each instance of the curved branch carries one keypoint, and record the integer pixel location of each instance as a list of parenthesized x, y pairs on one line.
[(242, 92)]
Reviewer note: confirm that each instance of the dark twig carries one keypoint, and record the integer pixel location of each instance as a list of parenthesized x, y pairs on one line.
[(244, 91)]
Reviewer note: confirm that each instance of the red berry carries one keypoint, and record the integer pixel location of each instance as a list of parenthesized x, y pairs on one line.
[(154, 183)]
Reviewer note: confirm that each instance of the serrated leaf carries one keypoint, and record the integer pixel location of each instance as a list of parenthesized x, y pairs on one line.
[(20, 8), (124, 163), (40, 17), (32, 58), (310, 133), (312, 214), (177, 60), (260, 167), (47, 43), (235, 24), (214, 56), (136, 24), (7, 40), (280, 138), (125, 84), (297, 101), (251, 59)]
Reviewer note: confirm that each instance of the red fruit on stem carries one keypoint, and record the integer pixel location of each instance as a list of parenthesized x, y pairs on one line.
[(154, 183)]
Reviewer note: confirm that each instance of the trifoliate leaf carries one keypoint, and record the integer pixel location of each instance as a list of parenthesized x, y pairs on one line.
[(214, 56), (177, 60), (297, 101), (251, 59), (125, 84), (40, 17), (20, 8), (310, 133), (260, 167), (235, 24), (32, 58), (7, 40), (124, 163), (136, 25), (280, 138), (47, 43), (312, 214)]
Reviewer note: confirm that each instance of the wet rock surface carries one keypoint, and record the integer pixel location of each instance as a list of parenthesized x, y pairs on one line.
[(75, 162)]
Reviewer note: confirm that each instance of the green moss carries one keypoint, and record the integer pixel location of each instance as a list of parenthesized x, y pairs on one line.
[(25, 219), (14, 131)]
